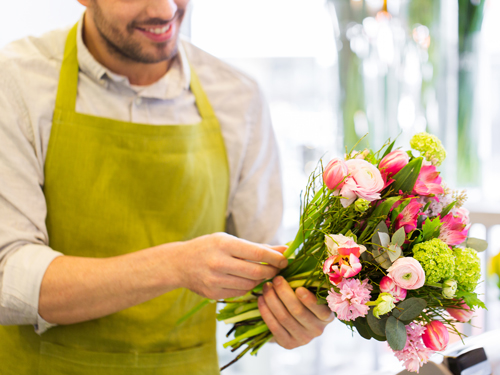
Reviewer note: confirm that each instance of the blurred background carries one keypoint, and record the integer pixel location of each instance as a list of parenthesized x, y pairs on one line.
[(333, 71)]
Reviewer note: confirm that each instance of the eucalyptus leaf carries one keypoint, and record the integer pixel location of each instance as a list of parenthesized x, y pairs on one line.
[(385, 240), (409, 309), (395, 332), (477, 244), (376, 325), (399, 237), (381, 257), (362, 328), (394, 252)]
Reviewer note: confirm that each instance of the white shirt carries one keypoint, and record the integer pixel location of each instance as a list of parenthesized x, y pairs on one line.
[(29, 74)]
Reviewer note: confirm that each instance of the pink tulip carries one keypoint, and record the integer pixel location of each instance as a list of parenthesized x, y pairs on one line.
[(338, 267), (436, 336), (462, 314), (392, 163), (335, 173), (387, 285), (409, 216), (428, 182), (407, 273)]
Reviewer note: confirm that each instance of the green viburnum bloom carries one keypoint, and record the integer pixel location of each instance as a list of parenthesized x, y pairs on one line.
[(436, 259), (361, 205), (450, 287), (429, 146), (383, 304), (467, 268)]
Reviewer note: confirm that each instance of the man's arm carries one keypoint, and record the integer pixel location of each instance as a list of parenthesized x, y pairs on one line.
[(76, 289)]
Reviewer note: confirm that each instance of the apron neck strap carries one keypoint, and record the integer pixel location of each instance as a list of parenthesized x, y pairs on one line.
[(68, 81), (68, 77)]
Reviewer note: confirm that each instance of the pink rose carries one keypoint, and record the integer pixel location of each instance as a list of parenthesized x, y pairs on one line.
[(436, 336), (387, 285), (392, 163), (367, 178), (335, 173), (407, 273)]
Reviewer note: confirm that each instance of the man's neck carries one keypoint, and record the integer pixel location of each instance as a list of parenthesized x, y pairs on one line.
[(139, 74)]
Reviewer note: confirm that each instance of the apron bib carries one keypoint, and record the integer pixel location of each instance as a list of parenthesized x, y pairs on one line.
[(112, 188)]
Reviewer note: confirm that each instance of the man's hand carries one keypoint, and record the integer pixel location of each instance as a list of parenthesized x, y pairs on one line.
[(293, 318), (221, 266)]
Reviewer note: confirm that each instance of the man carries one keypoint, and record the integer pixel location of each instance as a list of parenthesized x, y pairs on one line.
[(130, 152)]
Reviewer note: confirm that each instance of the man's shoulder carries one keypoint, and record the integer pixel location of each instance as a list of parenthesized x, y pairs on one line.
[(218, 75), (34, 51)]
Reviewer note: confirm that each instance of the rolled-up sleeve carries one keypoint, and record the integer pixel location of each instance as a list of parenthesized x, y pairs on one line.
[(24, 251)]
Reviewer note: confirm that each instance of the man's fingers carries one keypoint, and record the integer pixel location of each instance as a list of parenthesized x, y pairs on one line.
[(260, 254), (322, 312), (250, 270), (280, 248), (236, 283)]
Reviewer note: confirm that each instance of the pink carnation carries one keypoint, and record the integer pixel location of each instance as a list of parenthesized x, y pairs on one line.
[(414, 354), (350, 303)]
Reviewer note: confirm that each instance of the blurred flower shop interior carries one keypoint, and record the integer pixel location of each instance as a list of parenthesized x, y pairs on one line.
[(332, 72)]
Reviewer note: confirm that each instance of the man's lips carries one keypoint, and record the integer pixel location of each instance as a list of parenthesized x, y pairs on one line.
[(158, 33)]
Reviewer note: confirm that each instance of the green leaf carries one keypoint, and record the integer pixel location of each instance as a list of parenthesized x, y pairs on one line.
[(447, 209), (477, 244), (362, 328), (470, 299), (195, 309), (431, 228), (394, 252), (388, 149), (376, 325), (399, 237), (395, 332), (405, 179), (409, 309)]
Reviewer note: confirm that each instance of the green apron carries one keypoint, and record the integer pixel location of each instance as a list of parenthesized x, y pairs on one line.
[(113, 188)]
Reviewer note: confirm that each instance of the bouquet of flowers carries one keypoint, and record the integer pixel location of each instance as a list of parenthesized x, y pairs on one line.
[(385, 244)]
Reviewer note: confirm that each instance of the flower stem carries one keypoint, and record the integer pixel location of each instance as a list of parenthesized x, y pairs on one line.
[(247, 315)]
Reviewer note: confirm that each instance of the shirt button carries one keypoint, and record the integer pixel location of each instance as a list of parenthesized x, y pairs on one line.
[(138, 101)]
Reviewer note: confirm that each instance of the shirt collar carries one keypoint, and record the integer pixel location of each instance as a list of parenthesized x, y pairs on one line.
[(171, 85)]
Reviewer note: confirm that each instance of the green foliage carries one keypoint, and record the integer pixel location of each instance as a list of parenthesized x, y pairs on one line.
[(405, 179), (470, 299), (447, 209), (431, 228), (436, 258), (467, 268), (395, 332), (409, 309), (376, 325), (476, 244)]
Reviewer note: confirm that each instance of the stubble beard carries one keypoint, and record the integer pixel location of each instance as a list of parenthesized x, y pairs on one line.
[(125, 48)]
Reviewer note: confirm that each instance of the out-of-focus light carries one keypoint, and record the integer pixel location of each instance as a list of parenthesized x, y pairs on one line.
[(421, 36), (360, 124), (412, 73), (406, 112), (375, 4), (393, 6), (420, 124), (370, 68), (385, 43), (371, 27)]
